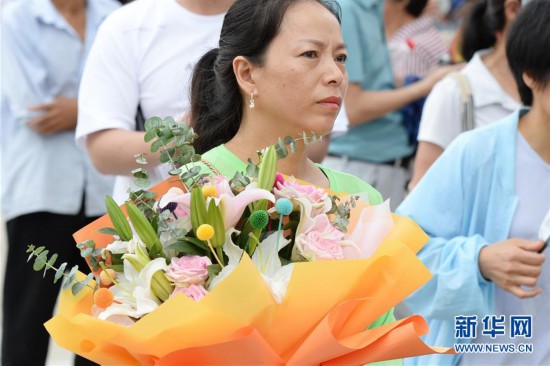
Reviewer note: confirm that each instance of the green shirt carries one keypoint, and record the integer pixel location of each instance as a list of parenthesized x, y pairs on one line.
[(228, 164)]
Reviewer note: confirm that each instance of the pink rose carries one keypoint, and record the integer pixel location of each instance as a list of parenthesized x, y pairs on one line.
[(322, 241), (188, 270), (291, 189), (194, 292)]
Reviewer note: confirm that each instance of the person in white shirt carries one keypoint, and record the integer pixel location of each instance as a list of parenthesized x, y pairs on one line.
[(49, 187), (143, 56), (488, 74)]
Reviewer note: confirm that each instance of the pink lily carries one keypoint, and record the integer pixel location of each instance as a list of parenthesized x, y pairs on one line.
[(232, 208)]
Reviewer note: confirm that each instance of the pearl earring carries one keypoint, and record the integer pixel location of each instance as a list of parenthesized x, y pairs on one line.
[(251, 103)]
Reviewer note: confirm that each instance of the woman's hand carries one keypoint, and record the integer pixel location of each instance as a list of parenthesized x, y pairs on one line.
[(59, 115), (513, 263)]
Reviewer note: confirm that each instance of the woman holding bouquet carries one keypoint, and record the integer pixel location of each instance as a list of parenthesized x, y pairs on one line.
[(280, 70)]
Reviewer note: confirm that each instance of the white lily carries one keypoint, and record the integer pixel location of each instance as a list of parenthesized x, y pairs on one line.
[(123, 247), (132, 293)]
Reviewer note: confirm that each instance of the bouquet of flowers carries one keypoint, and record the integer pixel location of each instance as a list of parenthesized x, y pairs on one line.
[(257, 269)]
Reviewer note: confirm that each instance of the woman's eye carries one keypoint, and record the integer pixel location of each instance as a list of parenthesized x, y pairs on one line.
[(310, 54), (341, 58)]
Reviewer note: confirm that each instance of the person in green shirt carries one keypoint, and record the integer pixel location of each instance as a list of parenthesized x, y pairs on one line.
[(279, 70)]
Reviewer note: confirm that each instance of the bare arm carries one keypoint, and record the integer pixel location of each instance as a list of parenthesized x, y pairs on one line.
[(367, 105), (426, 154), (112, 151)]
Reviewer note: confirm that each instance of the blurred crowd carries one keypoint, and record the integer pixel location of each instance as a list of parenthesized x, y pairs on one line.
[(79, 77)]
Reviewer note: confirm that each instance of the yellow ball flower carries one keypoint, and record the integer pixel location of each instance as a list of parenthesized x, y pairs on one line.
[(209, 191), (205, 232)]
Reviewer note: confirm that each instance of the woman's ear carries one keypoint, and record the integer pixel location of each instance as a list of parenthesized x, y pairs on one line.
[(511, 10), (528, 80), (244, 72)]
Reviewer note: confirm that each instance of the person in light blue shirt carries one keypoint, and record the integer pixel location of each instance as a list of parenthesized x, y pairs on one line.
[(376, 147), (482, 204), (49, 188)]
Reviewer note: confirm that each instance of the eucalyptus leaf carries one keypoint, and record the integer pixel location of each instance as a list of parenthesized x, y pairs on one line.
[(108, 231), (59, 272), (79, 285), (86, 252), (141, 182), (69, 281), (51, 262), (175, 172), (40, 261), (293, 147)]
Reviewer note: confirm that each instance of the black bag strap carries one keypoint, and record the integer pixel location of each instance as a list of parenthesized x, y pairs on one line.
[(140, 119)]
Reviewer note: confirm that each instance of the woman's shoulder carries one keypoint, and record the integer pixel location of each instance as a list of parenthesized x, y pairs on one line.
[(346, 183)]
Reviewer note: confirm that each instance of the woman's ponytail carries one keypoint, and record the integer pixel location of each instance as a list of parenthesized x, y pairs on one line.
[(485, 18), (215, 104)]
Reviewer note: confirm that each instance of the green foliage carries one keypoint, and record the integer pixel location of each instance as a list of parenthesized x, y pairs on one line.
[(198, 208), (213, 271), (118, 219), (141, 177), (145, 201), (281, 146), (214, 218), (174, 140), (190, 246), (41, 261), (144, 229), (342, 211), (90, 253)]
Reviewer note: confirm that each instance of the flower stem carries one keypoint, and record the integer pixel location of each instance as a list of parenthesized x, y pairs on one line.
[(214, 252)]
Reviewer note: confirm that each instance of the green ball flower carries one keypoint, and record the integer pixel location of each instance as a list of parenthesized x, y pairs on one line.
[(259, 219)]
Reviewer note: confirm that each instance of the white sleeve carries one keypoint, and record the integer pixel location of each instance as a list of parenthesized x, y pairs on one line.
[(109, 90), (441, 116)]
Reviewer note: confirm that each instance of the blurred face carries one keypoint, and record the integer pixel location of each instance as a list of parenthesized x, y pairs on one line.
[(303, 80)]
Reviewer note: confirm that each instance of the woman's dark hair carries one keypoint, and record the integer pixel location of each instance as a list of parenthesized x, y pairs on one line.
[(416, 7), (248, 29), (527, 47), (484, 19)]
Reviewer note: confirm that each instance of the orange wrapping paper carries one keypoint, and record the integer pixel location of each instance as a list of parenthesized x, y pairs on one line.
[(323, 317)]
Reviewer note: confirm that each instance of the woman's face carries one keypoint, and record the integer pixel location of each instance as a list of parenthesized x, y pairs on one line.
[(302, 83)]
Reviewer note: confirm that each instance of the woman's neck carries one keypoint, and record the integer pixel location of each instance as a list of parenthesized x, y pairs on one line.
[(69, 6), (395, 19), (254, 137), (497, 64), (206, 7), (535, 128)]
